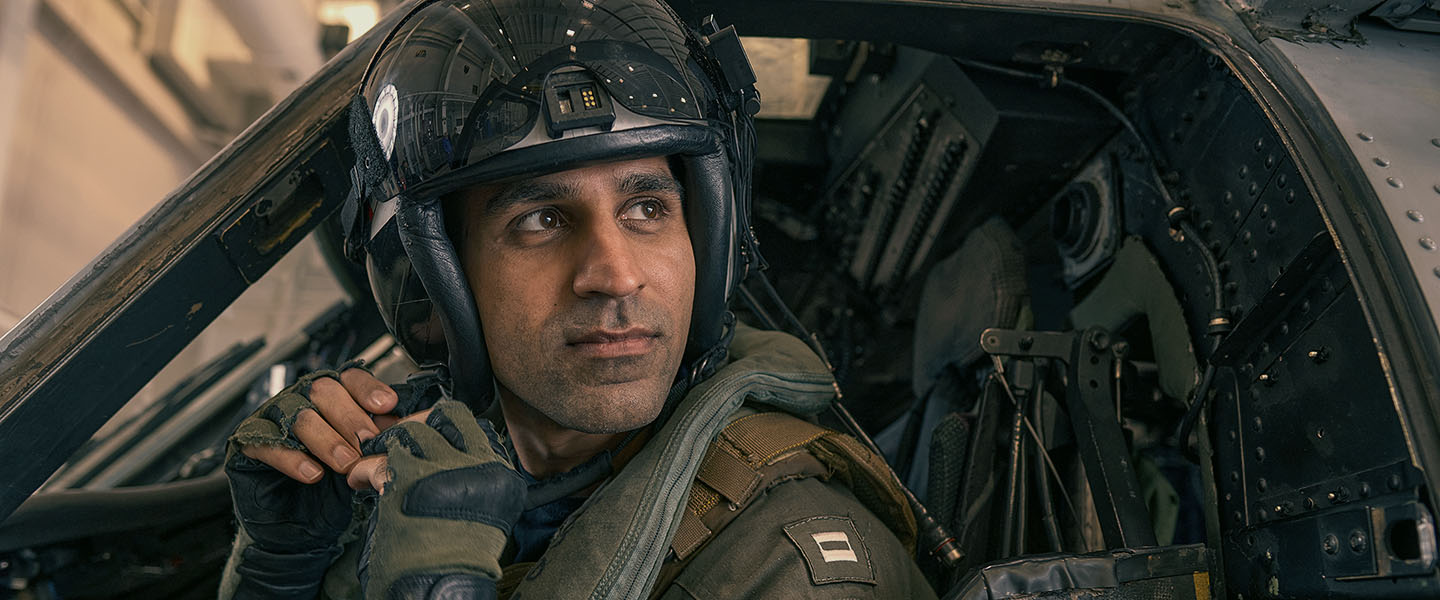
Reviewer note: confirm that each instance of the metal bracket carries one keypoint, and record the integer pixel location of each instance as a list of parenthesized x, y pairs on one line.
[(1090, 358)]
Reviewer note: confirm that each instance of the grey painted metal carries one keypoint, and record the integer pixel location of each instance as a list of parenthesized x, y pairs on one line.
[(1384, 97)]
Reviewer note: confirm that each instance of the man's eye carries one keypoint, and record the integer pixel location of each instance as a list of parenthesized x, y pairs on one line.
[(540, 220), (645, 210)]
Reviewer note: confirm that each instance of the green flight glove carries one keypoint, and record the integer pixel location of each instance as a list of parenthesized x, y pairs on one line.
[(443, 519)]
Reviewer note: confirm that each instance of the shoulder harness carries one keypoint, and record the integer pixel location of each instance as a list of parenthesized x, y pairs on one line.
[(762, 450)]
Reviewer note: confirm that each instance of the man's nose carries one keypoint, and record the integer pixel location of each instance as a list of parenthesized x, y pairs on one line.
[(608, 264)]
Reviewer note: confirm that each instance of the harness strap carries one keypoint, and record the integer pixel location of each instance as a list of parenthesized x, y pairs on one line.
[(762, 450)]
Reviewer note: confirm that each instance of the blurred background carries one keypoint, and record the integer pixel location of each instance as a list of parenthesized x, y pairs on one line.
[(108, 105)]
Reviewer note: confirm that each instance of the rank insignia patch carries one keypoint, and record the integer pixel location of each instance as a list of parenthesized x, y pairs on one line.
[(833, 549)]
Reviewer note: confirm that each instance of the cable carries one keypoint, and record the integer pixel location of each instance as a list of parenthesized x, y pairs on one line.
[(1179, 218), (999, 375)]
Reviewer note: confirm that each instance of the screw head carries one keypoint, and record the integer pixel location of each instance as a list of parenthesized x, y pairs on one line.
[(1357, 540)]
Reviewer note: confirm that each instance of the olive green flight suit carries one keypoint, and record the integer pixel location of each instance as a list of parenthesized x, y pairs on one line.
[(804, 536)]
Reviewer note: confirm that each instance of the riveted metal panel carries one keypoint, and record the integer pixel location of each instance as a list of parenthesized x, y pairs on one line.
[(1383, 98)]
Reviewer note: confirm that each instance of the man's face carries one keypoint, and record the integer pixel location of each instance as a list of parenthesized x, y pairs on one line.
[(584, 281)]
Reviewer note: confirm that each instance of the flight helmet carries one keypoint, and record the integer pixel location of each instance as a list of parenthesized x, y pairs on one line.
[(463, 93)]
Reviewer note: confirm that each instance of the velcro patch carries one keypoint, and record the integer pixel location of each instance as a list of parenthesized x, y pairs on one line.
[(833, 549)]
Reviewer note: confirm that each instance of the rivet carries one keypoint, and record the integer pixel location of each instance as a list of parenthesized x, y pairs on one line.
[(1330, 544), (1357, 540), (1253, 189), (1259, 143), (1290, 196), (1326, 286), (1304, 306), (1244, 171), (1239, 517), (1332, 497), (1281, 180), (1261, 485), (1395, 182), (1264, 210), (1270, 161), (1235, 216), (1319, 355), (1259, 454), (1272, 226), (1231, 287), (1284, 328), (1233, 436), (1252, 255), (1380, 162), (1227, 196), (1415, 215), (1364, 490), (1245, 237), (1365, 137), (1309, 503), (1234, 475), (1393, 482), (1279, 510), (1319, 433), (1427, 243), (1267, 379)]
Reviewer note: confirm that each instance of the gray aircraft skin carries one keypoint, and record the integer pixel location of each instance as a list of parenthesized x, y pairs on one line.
[(1236, 202)]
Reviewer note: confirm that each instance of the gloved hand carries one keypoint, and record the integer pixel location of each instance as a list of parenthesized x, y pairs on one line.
[(443, 517), (294, 526)]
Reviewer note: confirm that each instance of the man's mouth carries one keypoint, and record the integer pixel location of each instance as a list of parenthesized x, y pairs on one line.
[(603, 343)]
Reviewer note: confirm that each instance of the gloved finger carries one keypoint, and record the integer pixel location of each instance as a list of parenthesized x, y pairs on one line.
[(342, 411), (370, 473), (271, 425), (463, 430), (295, 464), (423, 443), (441, 421), (368, 391), (323, 442), (386, 423)]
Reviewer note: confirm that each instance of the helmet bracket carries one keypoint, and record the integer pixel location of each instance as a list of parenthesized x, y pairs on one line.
[(573, 99)]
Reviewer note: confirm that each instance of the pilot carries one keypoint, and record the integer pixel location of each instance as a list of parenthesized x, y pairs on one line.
[(550, 201)]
